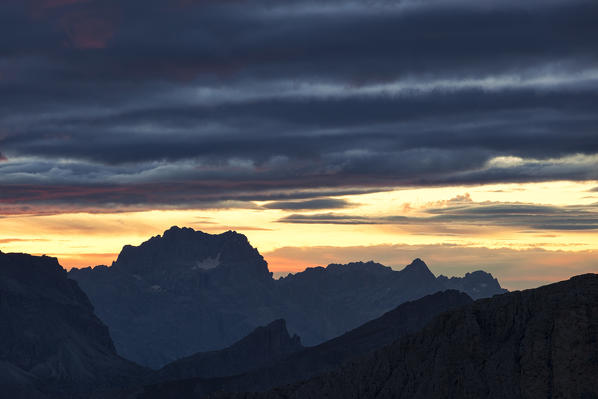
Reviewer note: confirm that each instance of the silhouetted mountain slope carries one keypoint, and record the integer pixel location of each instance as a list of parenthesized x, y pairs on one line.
[(262, 347), (147, 296), (405, 319), (539, 343), (50, 339)]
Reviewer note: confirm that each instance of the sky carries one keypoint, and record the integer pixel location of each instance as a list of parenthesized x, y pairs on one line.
[(461, 132)]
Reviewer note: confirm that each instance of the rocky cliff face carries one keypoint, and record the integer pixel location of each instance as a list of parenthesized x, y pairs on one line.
[(306, 363), (50, 339), (147, 296), (540, 343)]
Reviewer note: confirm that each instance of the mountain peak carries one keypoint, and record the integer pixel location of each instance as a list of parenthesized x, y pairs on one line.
[(260, 348), (176, 230), (185, 250), (418, 266), (275, 335), (477, 284), (369, 266)]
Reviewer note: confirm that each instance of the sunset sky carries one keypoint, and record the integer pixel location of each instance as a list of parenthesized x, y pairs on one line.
[(461, 132)]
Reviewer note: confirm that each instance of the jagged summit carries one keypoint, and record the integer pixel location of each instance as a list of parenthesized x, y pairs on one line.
[(276, 334), (478, 284), (185, 249), (261, 347), (176, 232), (369, 266), (360, 267), (418, 266)]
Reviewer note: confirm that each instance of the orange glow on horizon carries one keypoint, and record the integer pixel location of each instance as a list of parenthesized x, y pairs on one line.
[(86, 239)]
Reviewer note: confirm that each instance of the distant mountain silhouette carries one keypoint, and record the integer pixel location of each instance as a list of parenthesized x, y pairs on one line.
[(406, 318), (478, 284), (264, 346), (187, 292), (51, 343), (540, 343), (181, 293)]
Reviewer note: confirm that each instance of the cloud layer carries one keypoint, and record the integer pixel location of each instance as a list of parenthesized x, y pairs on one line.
[(182, 103), (498, 214)]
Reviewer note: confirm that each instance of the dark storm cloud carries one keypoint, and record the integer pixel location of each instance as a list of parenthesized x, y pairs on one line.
[(320, 203), (497, 123), (190, 102), (520, 216), (537, 217), (331, 218), (362, 41), (101, 198)]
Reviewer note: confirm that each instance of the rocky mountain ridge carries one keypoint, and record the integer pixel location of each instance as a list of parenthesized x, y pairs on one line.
[(538, 343), (145, 297), (308, 362)]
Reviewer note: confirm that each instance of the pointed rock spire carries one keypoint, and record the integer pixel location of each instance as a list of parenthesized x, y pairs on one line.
[(418, 266)]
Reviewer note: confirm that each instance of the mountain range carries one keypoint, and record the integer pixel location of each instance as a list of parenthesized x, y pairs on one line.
[(146, 296), (540, 343), (53, 346), (435, 341), (308, 362)]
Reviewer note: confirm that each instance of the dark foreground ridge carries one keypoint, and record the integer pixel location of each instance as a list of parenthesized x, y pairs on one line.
[(51, 343), (147, 295), (298, 366), (538, 343)]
